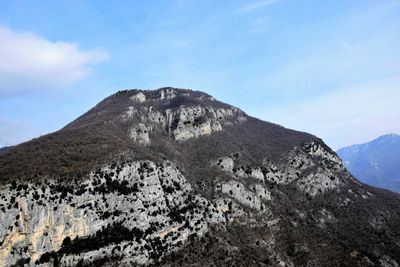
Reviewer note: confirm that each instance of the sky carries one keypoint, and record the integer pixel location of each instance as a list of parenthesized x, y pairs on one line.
[(331, 68)]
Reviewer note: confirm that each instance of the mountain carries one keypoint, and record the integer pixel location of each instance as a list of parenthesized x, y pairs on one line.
[(173, 177), (376, 163)]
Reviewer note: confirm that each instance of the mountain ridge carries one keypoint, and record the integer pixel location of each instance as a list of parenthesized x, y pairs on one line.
[(111, 111)]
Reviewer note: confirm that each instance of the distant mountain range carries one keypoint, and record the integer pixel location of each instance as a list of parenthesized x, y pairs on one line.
[(376, 163)]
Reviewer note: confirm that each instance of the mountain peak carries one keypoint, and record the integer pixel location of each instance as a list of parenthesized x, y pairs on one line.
[(179, 113), (387, 138), (163, 93)]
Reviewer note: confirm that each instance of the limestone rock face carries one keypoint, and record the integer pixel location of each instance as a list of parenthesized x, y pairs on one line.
[(196, 121), (140, 134), (181, 124), (244, 196), (147, 203), (167, 93), (299, 169), (139, 97), (192, 122)]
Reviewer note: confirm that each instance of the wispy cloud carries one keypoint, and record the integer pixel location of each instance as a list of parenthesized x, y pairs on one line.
[(31, 61), (256, 5)]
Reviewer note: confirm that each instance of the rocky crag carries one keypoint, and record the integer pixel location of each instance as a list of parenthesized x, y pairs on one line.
[(174, 177)]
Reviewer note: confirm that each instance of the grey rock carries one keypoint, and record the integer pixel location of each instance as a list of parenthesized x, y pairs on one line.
[(138, 195), (140, 134)]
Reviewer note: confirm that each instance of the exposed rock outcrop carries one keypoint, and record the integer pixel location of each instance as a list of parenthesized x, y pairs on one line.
[(140, 134), (311, 169), (167, 93), (139, 97), (183, 123), (152, 204)]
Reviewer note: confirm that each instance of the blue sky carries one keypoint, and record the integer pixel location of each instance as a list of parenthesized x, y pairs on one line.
[(331, 68)]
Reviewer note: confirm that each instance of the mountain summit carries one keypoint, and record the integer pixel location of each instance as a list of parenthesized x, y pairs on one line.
[(174, 177), (376, 163)]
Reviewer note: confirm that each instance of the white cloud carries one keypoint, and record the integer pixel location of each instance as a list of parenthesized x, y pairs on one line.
[(346, 116), (29, 60), (256, 5)]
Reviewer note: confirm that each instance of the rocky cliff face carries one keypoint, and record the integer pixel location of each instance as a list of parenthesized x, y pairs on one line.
[(150, 209), (182, 123), (179, 178)]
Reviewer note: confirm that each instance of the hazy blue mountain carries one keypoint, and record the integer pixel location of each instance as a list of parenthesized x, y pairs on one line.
[(376, 163)]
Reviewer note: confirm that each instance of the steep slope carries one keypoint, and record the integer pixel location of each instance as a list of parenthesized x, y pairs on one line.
[(174, 177), (376, 163)]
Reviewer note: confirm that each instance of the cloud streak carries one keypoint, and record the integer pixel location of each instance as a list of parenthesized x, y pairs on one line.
[(254, 5), (31, 61)]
